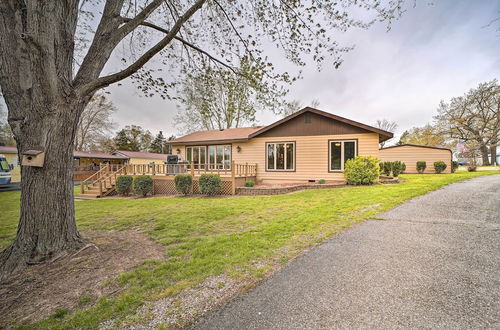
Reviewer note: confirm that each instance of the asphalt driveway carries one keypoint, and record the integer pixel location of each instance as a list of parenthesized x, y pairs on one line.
[(434, 262)]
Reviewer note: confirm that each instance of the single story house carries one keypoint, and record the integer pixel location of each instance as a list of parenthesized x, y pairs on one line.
[(410, 154), (308, 145)]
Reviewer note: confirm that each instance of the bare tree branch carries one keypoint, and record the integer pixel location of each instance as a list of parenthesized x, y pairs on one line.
[(108, 35), (188, 44), (134, 67)]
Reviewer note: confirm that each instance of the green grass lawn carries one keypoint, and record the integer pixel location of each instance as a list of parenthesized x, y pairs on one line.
[(209, 236)]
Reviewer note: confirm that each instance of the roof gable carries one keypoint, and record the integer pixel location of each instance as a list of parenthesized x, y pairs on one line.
[(310, 121)]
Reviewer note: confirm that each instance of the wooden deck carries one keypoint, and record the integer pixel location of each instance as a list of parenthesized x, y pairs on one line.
[(102, 183)]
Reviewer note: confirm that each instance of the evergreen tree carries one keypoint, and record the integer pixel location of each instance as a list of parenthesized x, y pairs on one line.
[(158, 144), (133, 138)]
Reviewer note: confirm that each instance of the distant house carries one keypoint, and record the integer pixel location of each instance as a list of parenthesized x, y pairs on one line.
[(88, 159), (134, 157), (86, 163), (308, 145)]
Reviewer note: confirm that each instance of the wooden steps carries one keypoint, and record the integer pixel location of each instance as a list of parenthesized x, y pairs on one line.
[(99, 184)]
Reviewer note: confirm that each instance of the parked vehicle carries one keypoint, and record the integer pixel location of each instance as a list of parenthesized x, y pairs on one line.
[(5, 171)]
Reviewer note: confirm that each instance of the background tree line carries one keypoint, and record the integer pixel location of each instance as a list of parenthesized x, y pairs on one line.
[(468, 124)]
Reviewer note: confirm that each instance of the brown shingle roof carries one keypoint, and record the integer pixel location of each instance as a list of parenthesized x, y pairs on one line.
[(101, 155), (77, 154), (136, 154), (214, 136), (245, 133), (6, 149)]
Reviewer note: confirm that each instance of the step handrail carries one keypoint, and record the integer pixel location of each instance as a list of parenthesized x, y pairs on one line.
[(98, 177)]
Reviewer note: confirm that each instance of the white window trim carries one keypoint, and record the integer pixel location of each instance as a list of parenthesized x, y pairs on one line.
[(224, 160), (342, 162), (276, 158), (199, 164)]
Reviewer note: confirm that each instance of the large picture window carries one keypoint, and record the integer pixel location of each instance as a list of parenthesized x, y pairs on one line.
[(340, 152), (280, 156), (197, 155), (219, 157)]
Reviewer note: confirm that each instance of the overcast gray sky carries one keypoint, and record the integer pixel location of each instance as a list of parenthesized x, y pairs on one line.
[(434, 52)]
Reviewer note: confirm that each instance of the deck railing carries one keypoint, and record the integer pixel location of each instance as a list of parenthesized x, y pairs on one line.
[(230, 170), (95, 168)]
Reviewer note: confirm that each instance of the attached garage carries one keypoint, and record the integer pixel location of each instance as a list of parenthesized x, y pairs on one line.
[(410, 154)]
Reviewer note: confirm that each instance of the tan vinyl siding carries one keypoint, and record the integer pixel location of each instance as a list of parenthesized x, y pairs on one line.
[(142, 161), (411, 154), (311, 155)]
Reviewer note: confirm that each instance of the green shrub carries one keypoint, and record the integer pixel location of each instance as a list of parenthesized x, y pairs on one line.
[(322, 181), (183, 183), (397, 168), (421, 166), (454, 166), (210, 184), (386, 168), (249, 183), (361, 170), (439, 166), (472, 168), (143, 184), (404, 167), (123, 184)]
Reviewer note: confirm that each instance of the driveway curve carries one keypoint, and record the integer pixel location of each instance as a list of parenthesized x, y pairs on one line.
[(433, 262)]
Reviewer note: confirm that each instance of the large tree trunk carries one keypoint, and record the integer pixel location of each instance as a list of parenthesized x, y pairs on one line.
[(47, 226), (485, 154), (36, 63), (493, 153)]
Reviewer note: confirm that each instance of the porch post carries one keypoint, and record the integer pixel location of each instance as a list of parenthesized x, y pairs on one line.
[(233, 179)]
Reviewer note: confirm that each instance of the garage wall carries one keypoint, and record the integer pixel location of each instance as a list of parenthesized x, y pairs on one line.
[(410, 155)]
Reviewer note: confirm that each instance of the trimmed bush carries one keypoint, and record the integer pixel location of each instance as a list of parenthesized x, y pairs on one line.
[(143, 184), (397, 168), (404, 167), (210, 184), (362, 170), (183, 183), (454, 166), (249, 183), (385, 168), (322, 181), (439, 166), (472, 168), (123, 184), (421, 166)]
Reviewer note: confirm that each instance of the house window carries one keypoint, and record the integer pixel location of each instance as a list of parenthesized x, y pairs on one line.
[(197, 155), (280, 156), (219, 157), (340, 152)]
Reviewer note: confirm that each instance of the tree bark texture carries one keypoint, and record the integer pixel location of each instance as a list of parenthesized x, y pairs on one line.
[(485, 154), (36, 56), (493, 153)]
